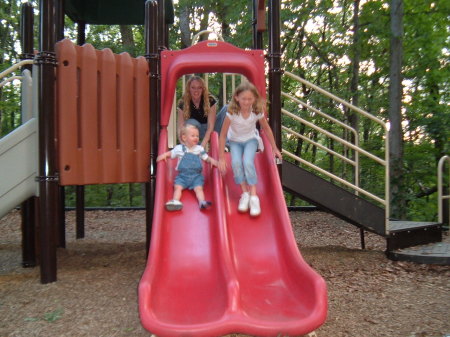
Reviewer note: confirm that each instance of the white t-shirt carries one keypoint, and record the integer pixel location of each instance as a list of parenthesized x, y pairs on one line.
[(177, 152), (242, 129)]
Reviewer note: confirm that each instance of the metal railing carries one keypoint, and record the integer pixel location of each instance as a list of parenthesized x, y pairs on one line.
[(358, 150), (441, 195), (26, 83)]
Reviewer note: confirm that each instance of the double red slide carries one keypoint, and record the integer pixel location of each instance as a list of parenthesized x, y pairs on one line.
[(216, 272)]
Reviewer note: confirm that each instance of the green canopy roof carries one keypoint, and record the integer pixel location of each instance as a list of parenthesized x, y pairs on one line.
[(112, 12)]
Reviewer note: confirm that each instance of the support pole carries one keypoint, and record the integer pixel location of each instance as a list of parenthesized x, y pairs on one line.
[(362, 238), (59, 10), (28, 209), (79, 189), (81, 33), (275, 72), (259, 24), (59, 31), (163, 38), (152, 56), (79, 212), (26, 33), (48, 179)]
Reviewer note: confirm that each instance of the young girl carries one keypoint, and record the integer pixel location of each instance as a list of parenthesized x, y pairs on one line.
[(189, 168), (245, 109)]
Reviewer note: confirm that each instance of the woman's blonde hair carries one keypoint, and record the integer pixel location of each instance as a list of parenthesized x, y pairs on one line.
[(259, 104), (187, 97)]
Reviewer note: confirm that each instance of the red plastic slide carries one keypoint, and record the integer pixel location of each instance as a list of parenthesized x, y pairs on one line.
[(216, 272)]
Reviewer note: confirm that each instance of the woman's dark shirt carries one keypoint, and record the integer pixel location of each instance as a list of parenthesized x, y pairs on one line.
[(199, 114)]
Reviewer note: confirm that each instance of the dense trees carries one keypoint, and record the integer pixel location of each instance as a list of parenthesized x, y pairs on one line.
[(343, 46)]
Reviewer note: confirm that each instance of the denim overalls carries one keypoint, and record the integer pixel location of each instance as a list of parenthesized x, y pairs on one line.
[(189, 171)]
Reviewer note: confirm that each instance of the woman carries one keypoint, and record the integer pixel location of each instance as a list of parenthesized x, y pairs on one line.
[(197, 107)]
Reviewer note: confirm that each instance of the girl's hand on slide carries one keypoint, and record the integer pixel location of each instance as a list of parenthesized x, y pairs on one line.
[(222, 166)]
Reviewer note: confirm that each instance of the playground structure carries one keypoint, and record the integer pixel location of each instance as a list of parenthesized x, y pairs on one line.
[(95, 147)]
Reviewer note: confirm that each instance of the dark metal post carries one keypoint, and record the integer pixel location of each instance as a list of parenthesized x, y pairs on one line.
[(26, 33), (59, 31), (81, 33), (59, 10), (362, 238), (29, 216), (445, 206), (48, 179), (62, 217), (258, 23), (28, 208), (162, 31), (275, 72), (79, 189), (152, 55), (79, 212)]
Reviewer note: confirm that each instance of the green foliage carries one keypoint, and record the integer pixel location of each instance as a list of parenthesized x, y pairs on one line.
[(53, 316), (50, 317), (317, 44), (110, 195)]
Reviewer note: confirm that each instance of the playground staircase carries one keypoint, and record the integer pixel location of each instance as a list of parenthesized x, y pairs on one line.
[(358, 211), (405, 240)]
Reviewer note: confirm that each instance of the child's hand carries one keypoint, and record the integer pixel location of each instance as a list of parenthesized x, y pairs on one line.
[(161, 157), (278, 154), (213, 162), (222, 166)]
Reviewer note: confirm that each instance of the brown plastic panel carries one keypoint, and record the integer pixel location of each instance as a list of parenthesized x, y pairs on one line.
[(103, 116)]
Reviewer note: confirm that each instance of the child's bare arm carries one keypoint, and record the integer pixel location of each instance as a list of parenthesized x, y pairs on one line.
[(222, 140), (266, 127), (212, 161), (163, 156)]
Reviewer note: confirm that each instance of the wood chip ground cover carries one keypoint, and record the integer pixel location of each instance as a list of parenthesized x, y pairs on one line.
[(96, 292)]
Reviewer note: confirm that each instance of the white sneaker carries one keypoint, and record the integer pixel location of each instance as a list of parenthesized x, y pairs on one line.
[(174, 205), (255, 209), (243, 202)]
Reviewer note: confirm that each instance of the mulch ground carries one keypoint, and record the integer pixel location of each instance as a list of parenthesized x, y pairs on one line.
[(96, 291)]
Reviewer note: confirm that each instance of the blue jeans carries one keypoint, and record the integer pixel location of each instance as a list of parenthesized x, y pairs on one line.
[(243, 161)]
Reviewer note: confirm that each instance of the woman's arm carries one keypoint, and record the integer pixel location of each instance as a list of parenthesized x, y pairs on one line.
[(266, 127), (222, 139), (211, 122)]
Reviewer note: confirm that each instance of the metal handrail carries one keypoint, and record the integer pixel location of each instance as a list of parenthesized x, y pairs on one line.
[(337, 99), (331, 175), (206, 31), (320, 146), (15, 67), (333, 136), (10, 80), (317, 111), (440, 179), (335, 121), (358, 150)]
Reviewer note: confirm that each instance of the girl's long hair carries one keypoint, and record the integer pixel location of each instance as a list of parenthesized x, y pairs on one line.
[(259, 104), (187, 97)]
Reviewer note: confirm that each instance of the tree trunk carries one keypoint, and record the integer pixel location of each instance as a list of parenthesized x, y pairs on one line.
[(127, 38), (353, 117), (184, 27), (397, 195)]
